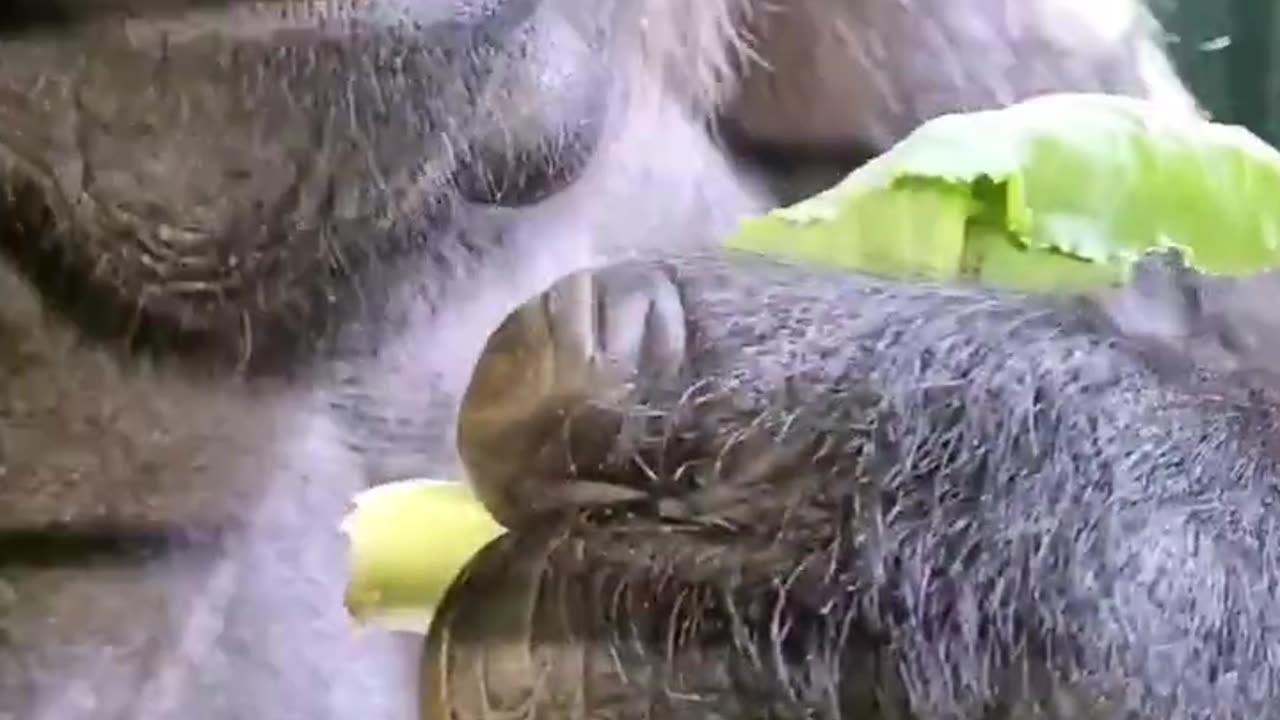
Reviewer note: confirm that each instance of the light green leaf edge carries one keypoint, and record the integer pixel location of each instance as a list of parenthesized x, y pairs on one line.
[(1058, 192), (409, 541)]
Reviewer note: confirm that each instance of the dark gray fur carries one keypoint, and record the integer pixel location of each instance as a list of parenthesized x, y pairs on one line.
[(910, 501)]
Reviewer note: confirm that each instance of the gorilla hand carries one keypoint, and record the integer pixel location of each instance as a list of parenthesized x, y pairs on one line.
[(832, 496)]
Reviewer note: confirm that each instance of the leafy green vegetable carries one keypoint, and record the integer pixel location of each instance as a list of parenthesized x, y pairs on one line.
[(1058, 192), (409, 541)]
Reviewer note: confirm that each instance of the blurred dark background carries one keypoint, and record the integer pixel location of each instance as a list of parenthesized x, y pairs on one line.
[(1228, 51)]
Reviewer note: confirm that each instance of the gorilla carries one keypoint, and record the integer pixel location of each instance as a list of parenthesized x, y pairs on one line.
[(251, 251)]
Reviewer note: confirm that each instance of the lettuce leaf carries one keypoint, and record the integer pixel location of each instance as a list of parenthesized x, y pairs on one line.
[(409, 541), (1059, 192)]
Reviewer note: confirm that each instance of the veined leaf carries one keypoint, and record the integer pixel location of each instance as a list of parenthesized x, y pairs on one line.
[(1058, 192)]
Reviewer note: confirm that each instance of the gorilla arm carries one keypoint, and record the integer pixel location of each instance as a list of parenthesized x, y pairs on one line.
[(837, 496)]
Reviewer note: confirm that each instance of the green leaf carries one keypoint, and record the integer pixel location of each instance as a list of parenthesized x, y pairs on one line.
[(409, 541), (1059, 192), (846, 230)]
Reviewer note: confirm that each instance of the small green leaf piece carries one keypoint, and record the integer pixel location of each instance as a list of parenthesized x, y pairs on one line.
[(409, 542)]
